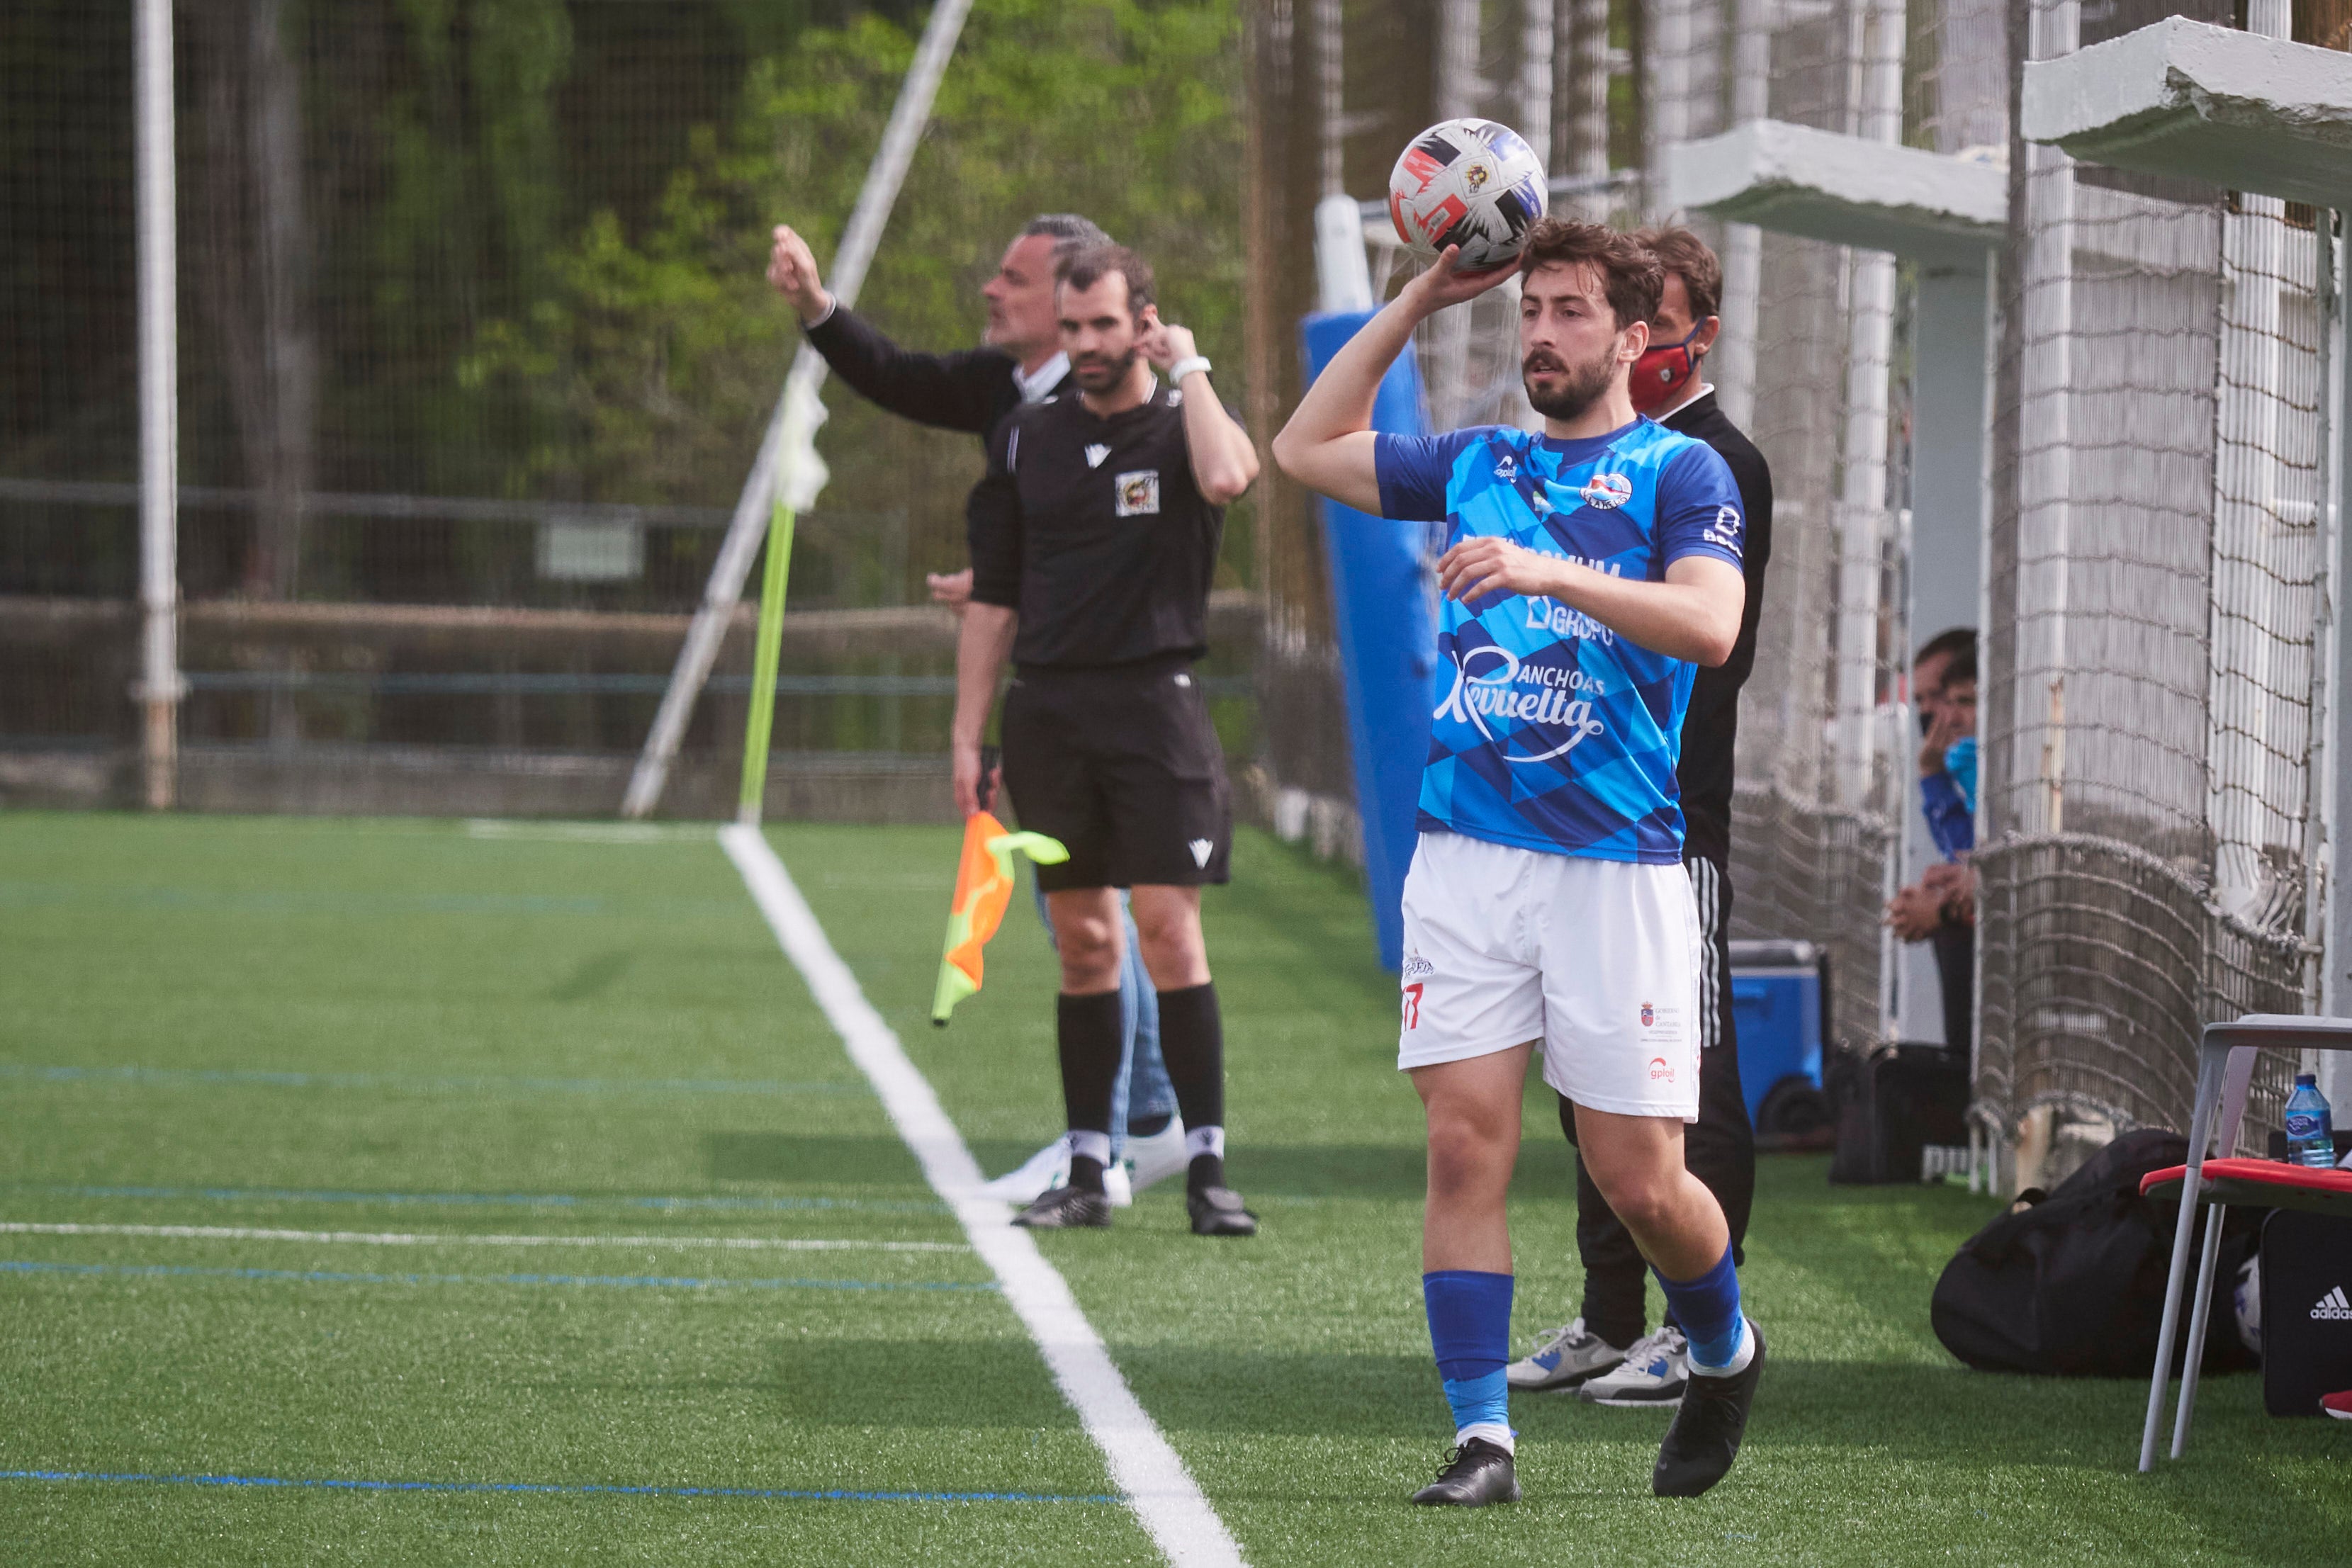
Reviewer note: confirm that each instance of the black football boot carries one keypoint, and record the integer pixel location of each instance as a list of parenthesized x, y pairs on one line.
[(1705, 1439), (1475, 1474)]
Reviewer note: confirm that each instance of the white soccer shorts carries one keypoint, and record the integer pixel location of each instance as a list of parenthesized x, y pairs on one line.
[(1598, 959)]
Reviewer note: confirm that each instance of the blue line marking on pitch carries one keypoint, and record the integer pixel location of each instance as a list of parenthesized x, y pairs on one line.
[(338, 1276), (273, 1080), (544, 1488), (483, 1199)]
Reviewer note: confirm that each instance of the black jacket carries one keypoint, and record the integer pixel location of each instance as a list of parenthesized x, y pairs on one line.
[(1711, 723), (972, 390)]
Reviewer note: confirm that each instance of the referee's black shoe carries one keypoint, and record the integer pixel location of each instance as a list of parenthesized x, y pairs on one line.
[(1067, 1208), (1218, 1212), (1705, 1439), (1475, 1474)]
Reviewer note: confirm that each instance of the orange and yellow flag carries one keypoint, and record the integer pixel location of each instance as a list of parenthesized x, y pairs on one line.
[(984, 884)]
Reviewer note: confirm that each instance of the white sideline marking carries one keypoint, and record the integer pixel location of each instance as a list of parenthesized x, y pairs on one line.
[(1167, 1502), (409, 1238)]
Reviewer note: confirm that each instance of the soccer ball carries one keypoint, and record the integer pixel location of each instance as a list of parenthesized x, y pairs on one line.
[(1470, 182)]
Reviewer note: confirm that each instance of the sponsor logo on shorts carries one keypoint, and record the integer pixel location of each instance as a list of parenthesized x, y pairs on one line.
[(1417, 967), (1607, 491), (2334, 1306), (1661, 1068), (1201, 849), (1138, 492), (1649, 1015)]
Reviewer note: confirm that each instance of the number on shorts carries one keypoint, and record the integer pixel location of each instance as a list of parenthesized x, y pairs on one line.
[(1412, 1005)]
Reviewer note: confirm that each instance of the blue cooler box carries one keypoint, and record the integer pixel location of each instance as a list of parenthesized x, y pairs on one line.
[(1779, 1004)]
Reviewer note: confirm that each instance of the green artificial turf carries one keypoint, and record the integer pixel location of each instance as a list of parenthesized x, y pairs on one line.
[(413, 1028)]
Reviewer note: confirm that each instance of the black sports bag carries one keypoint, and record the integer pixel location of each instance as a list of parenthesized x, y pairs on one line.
[(2071, 1283)]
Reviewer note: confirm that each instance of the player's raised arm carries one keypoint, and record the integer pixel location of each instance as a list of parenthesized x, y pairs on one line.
[(1327, 446), (1224, 464)]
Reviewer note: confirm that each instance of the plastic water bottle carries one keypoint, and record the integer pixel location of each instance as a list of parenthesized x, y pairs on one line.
[(2310, 1133)]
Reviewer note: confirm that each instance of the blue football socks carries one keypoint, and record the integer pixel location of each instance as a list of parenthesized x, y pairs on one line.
[(1470, 1330), (1707, 1308)]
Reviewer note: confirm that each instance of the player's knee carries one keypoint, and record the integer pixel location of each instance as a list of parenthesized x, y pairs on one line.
[(1465, 1154), (1643, 1200)]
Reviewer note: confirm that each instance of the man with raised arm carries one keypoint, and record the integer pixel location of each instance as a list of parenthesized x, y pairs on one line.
[(1590, 571), (1094, 538), (1019, 361), (1603, 1352)]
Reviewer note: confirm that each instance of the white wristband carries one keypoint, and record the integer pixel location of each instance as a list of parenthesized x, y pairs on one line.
[(1185, 367)]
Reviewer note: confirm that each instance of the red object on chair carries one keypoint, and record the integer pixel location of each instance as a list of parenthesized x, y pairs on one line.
[(2225, 1067), (2271, 1183)]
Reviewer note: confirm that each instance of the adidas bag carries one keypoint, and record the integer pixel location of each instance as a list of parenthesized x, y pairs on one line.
[(2071, 1283), (2306, 1310)]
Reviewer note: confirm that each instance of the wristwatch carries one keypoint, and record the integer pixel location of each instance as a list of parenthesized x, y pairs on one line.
[(1185, 367)]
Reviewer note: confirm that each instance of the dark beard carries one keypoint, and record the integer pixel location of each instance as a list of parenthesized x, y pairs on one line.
[(1096, 378), (1584, 385)]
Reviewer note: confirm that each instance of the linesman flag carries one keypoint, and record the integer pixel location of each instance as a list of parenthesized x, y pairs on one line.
[(984, 884)]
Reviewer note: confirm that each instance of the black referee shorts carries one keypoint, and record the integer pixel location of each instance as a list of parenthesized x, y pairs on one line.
[(1122, 765)]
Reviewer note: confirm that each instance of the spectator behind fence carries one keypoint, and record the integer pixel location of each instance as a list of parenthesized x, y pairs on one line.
[(1941, 907)]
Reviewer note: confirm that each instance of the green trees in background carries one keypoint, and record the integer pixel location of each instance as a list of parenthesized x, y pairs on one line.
[(654, 355), (514, 248)]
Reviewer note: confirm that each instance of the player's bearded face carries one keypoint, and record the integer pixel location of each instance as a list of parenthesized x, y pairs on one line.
[(1566, 389), (1099, 369)]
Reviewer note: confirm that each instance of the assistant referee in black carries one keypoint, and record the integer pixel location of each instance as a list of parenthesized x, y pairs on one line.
[(1094, 538)]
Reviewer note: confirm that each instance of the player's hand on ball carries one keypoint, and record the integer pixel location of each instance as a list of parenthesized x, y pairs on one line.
[(792, 268), (1488, 565), (1442, 282)]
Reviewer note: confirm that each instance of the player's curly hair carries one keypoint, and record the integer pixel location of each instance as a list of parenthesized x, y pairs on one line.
[(1630, 276), (1096, 262), (1685, 254)]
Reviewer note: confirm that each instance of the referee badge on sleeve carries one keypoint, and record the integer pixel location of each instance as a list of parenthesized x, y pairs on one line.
[(1138, 492)]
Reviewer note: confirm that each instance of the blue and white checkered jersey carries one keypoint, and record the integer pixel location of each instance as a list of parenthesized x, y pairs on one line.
[(1554, 733)]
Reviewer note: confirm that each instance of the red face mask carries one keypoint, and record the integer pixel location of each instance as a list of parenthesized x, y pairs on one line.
[(1662, 372)]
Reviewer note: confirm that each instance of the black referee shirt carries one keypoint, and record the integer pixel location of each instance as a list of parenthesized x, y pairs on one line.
[(1093, 530), (1711, 722)]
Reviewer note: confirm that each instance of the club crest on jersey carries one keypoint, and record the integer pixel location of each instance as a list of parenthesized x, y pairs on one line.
[(1607, 491), (1139, 494), (1096, 454)]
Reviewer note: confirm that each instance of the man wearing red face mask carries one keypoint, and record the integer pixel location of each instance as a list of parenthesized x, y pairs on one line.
[(1603, 1352)]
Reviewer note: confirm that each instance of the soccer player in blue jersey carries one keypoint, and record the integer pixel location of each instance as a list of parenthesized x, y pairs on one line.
[(1590, 570)]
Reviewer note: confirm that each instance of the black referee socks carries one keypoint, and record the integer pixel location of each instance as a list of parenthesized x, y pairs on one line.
[(1192, 1044), (1086, 1028)]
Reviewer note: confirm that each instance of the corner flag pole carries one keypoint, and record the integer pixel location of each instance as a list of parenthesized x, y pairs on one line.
[(788, 470)]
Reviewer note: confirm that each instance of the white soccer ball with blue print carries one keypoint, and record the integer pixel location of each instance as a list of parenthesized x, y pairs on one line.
[(1469, 183)]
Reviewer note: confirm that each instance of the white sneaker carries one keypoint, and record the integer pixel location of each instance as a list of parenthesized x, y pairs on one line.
[(1117, 1187), (1156, 1158), (1653, 1373), (1042, 1172), (1563, 1359)]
